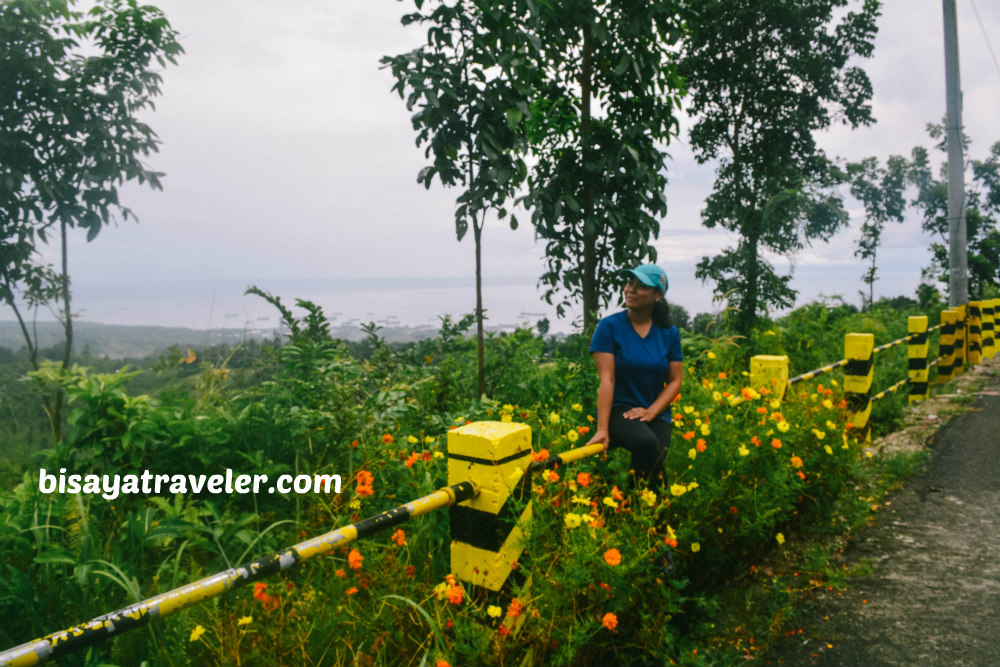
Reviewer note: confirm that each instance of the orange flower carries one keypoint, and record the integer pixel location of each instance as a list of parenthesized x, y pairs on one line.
[(365, 480), (541, 455), (411, 460), (616, 494), (442, 663), (399, 537), (701, 446), (340, 573), (583, 479), (688, 436), (387, 438), (354, 559), (612, 557), (796, 462), (258, 591), (583, 430), (454, 594), (801, 474), (776, 443), (351, 591), (755, 441), (722, 376), (610, 621), (515, 608)]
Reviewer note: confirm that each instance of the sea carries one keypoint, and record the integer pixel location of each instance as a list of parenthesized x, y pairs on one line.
[(215, 303)]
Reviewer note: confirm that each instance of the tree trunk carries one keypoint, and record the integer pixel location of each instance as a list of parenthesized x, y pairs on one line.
[(591, 298), (477, 231)]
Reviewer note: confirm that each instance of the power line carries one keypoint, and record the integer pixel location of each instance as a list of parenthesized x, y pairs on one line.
[(985, 36)]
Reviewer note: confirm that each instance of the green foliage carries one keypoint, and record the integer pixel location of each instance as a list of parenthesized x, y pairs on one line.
[(764, 77), (744, 473), (981, 215)]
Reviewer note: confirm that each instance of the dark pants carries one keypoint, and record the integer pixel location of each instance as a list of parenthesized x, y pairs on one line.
[(647, 441)]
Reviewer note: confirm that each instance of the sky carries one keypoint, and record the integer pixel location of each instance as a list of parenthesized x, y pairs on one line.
[(291, 165)]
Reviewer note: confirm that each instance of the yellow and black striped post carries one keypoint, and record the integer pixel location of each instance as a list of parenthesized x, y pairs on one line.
[(916, 353), (858, 375), (958, 365), (989, 333), (487, 536), (946, 349), (770, 371), (975, 333)]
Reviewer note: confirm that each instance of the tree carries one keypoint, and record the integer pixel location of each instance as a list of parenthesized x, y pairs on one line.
[(70, 135), (764, 76), (982, 208), (606, 92), (880, 190), (467, 83)]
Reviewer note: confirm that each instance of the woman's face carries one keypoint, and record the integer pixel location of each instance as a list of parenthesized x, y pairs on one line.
[(638, 295)]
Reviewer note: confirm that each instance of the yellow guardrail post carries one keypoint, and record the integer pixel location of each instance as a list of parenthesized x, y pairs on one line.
[(946, 350), (975, 332), (961, 351), (858, 375), (989, 332), (487, 535), (916, 353), (769, 371)]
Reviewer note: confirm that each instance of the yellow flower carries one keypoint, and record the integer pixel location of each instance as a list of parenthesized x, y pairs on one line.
[(438, 454), (830, 425), (648, 497), (743, 451), (692, 486), (688, 409), (573, 436), (197, 633), (429, 440), (576, 407), (494, 611), (716, 396), (695, 547), (784, 426), (355, 504), (833, 383), (459, 420), (610, 502), (506, 418), (827, 403), (412, 439), (828, 448), (441, 591), (729, 418), (705, 430), (553, 417), (581, 500), (710, 354), (245, 620), (780, 538), (692, 453), (572, 520), (775, 404), (507, 407), (678, 490), (819, 434)]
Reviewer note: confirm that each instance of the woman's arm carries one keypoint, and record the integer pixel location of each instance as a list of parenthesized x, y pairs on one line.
[(663, 401), (605, 362)]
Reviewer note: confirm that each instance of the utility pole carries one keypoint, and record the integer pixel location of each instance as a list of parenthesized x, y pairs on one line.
[(958, 256)]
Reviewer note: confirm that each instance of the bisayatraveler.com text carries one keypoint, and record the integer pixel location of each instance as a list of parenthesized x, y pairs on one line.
[(149, 483)]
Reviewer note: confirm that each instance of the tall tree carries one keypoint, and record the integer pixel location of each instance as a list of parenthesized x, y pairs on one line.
[(469, 86), (765, 76), (603, 111), (72, 89), (982, 211), (881, 191)]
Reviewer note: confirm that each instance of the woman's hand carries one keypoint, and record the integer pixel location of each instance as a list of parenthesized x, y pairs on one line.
[(601, 435), (642, 414)]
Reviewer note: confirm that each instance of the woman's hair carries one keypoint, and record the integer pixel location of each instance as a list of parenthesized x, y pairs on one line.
[(661, 314)]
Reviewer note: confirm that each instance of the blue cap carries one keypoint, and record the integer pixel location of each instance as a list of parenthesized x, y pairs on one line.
[(650, 275)]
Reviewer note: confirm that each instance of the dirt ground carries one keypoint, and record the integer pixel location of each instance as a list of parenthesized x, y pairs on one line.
[(933, 596)]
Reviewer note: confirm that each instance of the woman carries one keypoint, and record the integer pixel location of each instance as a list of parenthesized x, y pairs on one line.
[(638, 356)]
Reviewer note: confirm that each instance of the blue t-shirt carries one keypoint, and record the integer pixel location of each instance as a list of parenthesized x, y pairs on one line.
[(642, 365)]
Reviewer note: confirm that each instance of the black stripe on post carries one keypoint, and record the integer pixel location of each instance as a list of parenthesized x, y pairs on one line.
[(859, 367)]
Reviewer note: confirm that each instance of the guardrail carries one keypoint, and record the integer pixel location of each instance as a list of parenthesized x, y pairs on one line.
[(489, 470)]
